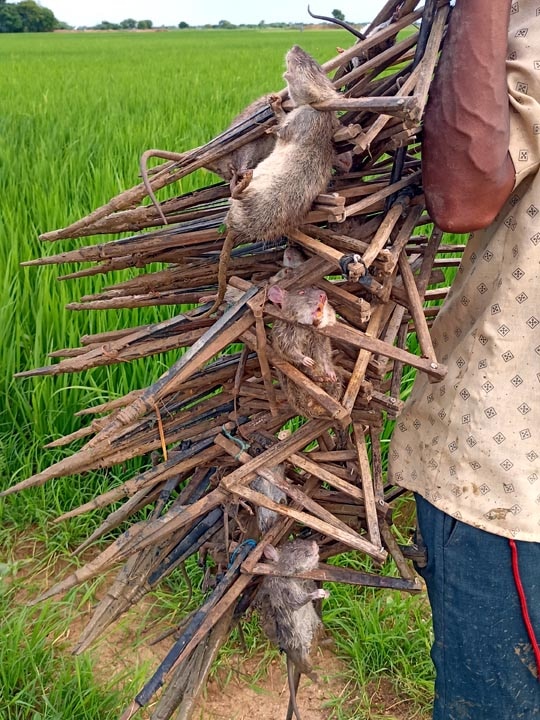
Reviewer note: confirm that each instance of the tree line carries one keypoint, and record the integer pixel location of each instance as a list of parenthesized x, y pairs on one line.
[(26, 16), (127, 24), (226, 25)]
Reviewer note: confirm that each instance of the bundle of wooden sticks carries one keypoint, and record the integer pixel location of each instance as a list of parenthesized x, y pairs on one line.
[(219, 419)]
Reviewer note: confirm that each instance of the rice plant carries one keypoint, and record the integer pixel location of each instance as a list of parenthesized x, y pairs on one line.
[(77, 111)]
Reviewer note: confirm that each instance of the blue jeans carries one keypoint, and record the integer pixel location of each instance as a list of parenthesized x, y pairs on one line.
[(485, 667)]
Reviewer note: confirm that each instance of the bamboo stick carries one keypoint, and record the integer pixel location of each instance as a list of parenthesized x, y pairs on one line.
[(333, 573), (367, 486), (202, 402)]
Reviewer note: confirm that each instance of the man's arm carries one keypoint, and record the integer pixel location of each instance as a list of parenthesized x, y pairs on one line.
[(467, 169)]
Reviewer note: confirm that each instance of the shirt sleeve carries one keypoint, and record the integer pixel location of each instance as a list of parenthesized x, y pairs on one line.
[(523, 74)]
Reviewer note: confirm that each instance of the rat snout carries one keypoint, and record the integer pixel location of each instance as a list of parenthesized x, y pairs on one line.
[(318, 314)]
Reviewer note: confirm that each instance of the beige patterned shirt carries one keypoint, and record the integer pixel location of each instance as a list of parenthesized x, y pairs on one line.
[(471, 444)]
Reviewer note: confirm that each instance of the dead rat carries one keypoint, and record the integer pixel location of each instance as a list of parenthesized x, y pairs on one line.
[(233, 166), (265, 517), (293, 257), (274, 198), (286, 610), (297, 341)]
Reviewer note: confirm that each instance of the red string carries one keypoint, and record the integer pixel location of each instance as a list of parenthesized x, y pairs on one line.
[(524, 608)]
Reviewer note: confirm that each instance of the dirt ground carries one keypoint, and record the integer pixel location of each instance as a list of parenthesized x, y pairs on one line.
[(252, 688), (233, 693), (268, 700)]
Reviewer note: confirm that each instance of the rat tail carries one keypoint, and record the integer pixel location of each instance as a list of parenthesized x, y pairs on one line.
[(293, 675), (224, 258)]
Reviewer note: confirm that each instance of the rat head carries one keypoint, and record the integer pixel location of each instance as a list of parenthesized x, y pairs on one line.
[(306, 306), (294, 556), (293, 257), (306, 80)]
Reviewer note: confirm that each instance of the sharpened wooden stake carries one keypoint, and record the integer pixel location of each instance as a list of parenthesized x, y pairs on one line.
[(198, 491), (367, 486)]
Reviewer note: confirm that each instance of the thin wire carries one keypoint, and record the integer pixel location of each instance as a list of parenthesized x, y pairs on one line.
[(524, 608)]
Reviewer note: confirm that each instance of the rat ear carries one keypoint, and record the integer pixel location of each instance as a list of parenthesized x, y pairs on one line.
[(276, 294), (271, 553)]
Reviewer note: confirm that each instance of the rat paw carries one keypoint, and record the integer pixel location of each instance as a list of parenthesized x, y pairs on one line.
[(275, 102), (240, 183), (321, 594), (308, 362)]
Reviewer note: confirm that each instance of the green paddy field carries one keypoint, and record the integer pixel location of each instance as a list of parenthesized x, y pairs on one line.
[(76, 112)]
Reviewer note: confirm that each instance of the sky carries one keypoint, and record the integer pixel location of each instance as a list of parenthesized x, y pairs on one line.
[(201, 12)]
